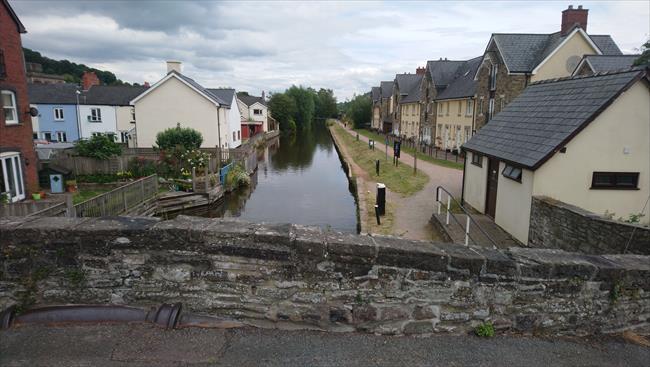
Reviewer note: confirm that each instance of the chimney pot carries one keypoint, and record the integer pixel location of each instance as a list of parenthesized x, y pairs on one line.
[(173, 66), (579, 6), (570, 6)]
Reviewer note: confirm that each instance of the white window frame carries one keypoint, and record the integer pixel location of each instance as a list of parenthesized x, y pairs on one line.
[(44, 133), (95, 115), (469, 107), (17, 175), (58, 114), (491, 108), (493, 76), (124, 136), (61, 134), (13, 107), (460, 107), (257, 114)]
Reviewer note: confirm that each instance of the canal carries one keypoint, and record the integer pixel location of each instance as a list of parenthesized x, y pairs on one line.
[(299, 180)]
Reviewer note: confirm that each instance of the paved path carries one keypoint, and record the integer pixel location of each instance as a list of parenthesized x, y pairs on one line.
[(146, 345), (412, 214)]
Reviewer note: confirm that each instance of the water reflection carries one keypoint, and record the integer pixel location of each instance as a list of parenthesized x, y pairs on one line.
[(299, 180)]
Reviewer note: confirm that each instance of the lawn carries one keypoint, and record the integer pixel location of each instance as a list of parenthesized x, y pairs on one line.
[(83, 195), (398, 179), (441, 162)]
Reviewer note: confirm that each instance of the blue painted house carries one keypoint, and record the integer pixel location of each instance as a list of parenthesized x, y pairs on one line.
[(57, 112)]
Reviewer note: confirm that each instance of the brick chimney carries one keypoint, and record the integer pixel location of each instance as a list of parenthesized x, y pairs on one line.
[(173, 66), (573, 17), (146, 85), (88, 79), (420, 71)]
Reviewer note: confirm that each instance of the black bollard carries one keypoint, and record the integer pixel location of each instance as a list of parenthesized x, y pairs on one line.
[(377, 215), (377, 167), (381, 198)]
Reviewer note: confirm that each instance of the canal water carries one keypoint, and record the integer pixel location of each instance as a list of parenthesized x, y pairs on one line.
[(299, 180)]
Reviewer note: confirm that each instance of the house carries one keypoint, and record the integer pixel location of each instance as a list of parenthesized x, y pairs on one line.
[(581, 140), (511, 61), (592, 64), (18, 161), (35, 74), (386, 105), (375, 123), (405, 100), (448, 99), (233, 119), (254, 114), (57, 112), (177, 100)]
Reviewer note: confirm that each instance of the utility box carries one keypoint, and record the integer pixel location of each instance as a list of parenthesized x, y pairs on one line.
[(381, 198), (56, 183)]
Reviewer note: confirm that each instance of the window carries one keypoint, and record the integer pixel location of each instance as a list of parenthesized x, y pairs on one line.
[(615, 180), (234, 136), (46, 135), (96, 134), (124, 136), (477, 159), (112, 136), (11, 176), (490, 108), (35, 136), (257, 112), (238, 134), (58, 114), (9, 107), (503, 103), (439, 109), (447, 108), (493, 77), (61, 137), (133, 115), (512, 172), (469, 107), (3, 67), (480, 106), (460, 106), (95, 115)]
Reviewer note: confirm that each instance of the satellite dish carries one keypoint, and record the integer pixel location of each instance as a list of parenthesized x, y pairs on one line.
[(571, 63), (33, 111)]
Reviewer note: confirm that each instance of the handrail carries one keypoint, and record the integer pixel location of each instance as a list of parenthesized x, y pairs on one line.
[(469, 216), (112, 199)]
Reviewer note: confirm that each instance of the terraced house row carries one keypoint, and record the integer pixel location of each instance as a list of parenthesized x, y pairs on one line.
[(446, 102)]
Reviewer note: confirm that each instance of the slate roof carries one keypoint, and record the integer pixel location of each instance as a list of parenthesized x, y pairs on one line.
[(386, 88), (111, 95), (462, 84), (546, 116), (225, 94), (522, 52), (375, 94), (250, 100), (409, 87), (203, 90), (601, 63), (64, 93), (442, 71)]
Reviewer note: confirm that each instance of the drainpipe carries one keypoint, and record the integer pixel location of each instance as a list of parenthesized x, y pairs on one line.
[(219, 127), (78, 117), (462, 188)]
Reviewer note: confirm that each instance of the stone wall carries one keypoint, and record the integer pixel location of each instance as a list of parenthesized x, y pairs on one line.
[(554, 224), (295, 276)]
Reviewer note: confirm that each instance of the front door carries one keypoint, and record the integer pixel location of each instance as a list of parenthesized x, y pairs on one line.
[(492, 183), (11, 182)]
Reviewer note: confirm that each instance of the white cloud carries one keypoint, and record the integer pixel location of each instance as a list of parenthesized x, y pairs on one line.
[(255, 46)]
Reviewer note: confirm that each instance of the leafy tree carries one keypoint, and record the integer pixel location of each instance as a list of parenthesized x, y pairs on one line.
[(283, 108), (325, 103), (305, 106), (644, 59), (359, 110), (98, 147), (175, 137)]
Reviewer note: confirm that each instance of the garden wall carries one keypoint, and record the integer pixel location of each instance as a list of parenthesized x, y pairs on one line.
[(275, 275)]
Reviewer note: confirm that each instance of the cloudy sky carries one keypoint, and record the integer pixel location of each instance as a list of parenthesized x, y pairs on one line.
[(255, 46)]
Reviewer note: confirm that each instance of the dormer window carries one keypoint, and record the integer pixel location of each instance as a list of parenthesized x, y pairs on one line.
[(257, 112)]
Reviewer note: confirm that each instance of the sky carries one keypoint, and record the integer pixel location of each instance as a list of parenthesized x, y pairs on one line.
[(254, 46)]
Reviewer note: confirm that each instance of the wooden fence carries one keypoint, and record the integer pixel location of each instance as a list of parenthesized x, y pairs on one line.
[(121, 200)]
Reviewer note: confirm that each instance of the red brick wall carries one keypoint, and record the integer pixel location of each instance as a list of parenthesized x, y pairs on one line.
[(17, 137)]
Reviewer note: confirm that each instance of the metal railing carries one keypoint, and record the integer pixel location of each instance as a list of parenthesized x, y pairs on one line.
[(120, 200), (56, 210), (449, 215)]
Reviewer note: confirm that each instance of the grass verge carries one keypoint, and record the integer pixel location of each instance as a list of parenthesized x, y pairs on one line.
[(398, 179), (83, 195), (440, 162)]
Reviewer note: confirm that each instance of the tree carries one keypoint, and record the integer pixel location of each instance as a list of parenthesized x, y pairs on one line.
[(644, 59), (283, 108), (359, 110), (305, 107), (99, 147), (183, 137), (325, 103)]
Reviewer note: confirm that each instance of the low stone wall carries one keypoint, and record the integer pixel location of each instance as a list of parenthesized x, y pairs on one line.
[(554, 224), (295, 276)]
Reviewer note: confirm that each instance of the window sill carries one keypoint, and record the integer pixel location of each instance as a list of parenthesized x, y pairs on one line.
[(615, 188), (513, 179), (477, 165), (14, 124)]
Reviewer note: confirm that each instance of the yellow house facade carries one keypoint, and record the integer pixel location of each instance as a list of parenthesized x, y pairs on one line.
[(455, 119), (410, 118)]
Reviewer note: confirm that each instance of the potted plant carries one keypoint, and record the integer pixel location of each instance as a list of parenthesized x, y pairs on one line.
[(36, 196), (71, 185)]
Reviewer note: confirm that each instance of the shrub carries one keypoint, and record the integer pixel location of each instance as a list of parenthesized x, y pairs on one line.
[(184, 137), (141, 167), (237, 177), (485, 330), (99, 147)]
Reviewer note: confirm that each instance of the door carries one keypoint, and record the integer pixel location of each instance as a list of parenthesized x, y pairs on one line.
[(492, 183), (12, 176)]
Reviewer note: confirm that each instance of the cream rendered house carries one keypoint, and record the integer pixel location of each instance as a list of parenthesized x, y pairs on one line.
[(583, 141), (177, 100), (253, 109)]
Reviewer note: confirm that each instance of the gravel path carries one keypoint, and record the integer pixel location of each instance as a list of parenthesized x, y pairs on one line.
[(147, 345), (412, 214)]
